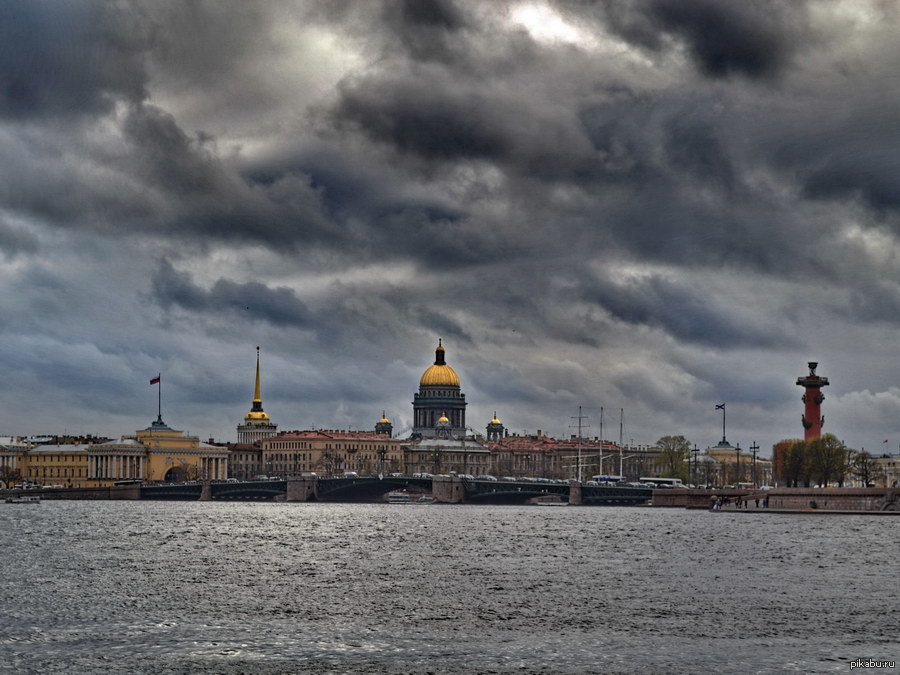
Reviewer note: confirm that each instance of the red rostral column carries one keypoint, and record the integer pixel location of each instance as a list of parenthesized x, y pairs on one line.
[(813, 397)]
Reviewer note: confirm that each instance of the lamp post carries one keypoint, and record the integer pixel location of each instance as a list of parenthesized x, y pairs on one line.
[(696, 467), (754, 449)]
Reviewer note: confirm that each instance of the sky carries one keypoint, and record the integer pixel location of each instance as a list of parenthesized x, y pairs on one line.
[(648, 207)]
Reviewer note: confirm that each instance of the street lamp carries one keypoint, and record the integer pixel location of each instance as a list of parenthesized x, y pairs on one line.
[(696, 467), (754, 449)]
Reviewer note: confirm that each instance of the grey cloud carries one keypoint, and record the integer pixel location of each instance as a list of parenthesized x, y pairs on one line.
[(16, 240), (68, 59), (756, 40), (685, 312), (253, 300)]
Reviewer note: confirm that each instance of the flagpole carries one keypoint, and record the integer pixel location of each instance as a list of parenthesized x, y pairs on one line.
[(723, 422), (159, 399)]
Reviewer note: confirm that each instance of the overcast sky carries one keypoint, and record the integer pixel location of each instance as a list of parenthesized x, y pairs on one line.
[(648, 205)]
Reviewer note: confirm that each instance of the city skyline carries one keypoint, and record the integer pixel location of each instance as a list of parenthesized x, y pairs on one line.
[(648, 206)]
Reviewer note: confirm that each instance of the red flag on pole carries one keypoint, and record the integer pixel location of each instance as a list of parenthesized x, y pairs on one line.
[(155, 380)]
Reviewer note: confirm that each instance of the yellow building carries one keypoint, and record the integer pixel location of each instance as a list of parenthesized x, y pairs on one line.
[(157, 453), (172, 455)]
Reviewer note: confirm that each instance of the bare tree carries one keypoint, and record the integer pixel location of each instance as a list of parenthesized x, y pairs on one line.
[(10, 476), (865, 467)]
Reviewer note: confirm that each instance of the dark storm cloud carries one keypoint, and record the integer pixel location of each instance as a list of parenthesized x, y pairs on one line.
[(252, 300), (686, 312), (435, 122), (65, 59), (755, 39), (426, 28)]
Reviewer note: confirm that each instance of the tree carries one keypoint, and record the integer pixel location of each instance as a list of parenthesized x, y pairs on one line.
[(780, 453), (827, 458), (865, 467), (796, 464), (9, 475), (673, 456)]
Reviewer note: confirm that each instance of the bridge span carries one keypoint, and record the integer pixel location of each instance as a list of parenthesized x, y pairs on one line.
[(444, 489)]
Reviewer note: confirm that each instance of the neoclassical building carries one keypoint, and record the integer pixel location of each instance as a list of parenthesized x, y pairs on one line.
[(439, 396), (257, 424), (157, 453)]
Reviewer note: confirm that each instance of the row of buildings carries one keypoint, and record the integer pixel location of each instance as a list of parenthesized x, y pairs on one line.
[(440, 442)]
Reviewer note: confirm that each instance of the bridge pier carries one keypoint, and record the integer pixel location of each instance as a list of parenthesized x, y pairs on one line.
[(575, 494), (447, 489), (205, 491), (302, 489), (125, 492)]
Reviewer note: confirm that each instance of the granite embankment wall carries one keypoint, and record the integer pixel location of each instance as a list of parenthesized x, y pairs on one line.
[(830, 499), (115, 492)]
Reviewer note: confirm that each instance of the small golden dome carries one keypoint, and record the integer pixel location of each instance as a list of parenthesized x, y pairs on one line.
[(384, 420), (495, 420), (256, 415), (443, 419)]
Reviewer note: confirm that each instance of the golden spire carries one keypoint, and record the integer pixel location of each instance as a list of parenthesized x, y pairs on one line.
[(257, 414), (256, 395)]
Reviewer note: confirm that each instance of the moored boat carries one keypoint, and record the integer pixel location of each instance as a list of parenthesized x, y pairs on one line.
[(24, 499)]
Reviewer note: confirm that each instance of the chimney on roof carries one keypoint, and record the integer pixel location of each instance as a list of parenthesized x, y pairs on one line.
[(539, 434)]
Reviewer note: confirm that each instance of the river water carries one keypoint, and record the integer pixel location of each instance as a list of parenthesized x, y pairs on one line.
[(211, 587)]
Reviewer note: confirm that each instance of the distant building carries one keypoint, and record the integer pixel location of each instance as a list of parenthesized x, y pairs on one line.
[(439, 396), (546, 457), (157, 453), (257, 424), (329, 452), (447, 455), (888, 471), (725, 464), (384, 426), (495, 430)]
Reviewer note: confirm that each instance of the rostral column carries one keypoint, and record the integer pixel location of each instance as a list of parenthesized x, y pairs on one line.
[(813, 397)]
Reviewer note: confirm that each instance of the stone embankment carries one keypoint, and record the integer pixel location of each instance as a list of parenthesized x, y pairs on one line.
[(844, 500)]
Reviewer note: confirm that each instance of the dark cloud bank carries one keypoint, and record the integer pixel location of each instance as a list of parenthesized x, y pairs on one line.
[(681, 192)]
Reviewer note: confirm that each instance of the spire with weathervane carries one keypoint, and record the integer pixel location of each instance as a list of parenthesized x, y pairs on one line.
[(257, 424)]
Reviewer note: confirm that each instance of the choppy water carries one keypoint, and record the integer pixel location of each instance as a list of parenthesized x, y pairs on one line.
[(173, 587)]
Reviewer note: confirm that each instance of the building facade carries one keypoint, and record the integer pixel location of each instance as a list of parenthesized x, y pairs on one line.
[(330, 453), (157, 453), (447, 455)]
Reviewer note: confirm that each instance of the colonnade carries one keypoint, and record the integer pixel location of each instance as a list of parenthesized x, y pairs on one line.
[(116, 466), (214, 468)]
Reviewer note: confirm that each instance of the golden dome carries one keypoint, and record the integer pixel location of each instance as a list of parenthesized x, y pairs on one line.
[(439, 374), (384, 420), (256, 415), (495, 420), (443, 419)]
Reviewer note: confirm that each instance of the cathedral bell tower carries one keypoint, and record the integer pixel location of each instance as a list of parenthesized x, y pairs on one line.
[(495, 429)]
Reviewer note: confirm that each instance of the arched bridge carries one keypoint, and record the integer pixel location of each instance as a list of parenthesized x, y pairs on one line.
[(445, 489)]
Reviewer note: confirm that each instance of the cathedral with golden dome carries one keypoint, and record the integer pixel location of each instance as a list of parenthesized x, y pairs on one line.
[(257, 424), (439, 408)]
